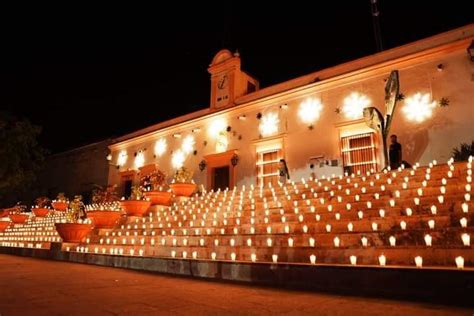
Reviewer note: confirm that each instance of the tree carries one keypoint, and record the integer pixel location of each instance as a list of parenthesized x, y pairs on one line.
[(463, 152), (21, 156)]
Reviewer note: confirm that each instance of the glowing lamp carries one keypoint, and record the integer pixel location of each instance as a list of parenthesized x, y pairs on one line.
[(269, 124), (428, 240), (353, 260), (309, 111), (312, 259), (418, 107), (354, 105), (459, 262), (275, 258), (393, 241), (418, 261), (466, 239), (463, 222), (382, 260)]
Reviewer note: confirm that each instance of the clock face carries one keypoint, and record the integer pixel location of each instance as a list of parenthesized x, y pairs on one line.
[(222, 83)]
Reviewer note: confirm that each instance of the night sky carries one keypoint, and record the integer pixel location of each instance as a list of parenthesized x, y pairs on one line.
[(86, 74)]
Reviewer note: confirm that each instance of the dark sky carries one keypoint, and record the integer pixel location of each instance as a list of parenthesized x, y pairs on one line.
[(86, 74)]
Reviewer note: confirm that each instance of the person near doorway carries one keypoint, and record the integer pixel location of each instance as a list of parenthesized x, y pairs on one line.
[(395, 152), (283, 171)]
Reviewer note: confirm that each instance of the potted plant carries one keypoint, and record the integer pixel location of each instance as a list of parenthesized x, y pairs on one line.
[(4, 223), (137, 205), (105, 211), (154, 184), (60, 203), (183, 184), (18, 214), (41, 209), (76, 226)]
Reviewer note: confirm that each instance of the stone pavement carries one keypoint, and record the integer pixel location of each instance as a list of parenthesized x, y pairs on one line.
[(39, 287)]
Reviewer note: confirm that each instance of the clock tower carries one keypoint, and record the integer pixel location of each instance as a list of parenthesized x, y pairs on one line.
[(228, 81)]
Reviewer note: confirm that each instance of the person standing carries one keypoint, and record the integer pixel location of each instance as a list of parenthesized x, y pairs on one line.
[(283, 171), (395, 152)]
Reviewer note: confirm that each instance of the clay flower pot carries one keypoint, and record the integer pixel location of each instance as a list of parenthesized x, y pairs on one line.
[(59, 205), (73, 232), (135, 207), (183, 189), (4, 225), (40, 211), (103, 218), (159, 198), (19, 218)]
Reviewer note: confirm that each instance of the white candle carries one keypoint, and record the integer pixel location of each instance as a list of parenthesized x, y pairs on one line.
[(434, 209), (382, 213), (353, 260), (459, 262), (350, 227), (305, 229), (233, 256), (195, 254), (328, 228), (290, 242), (253, 257), (418, 261), (428, 240), (431, 223), (311, 242), (465, 207), (409, 211), (269, 242), (466, 239), (173, 253), (463, 222), (374, 226), (403, 225), (336, 241), (275, 258), (364, 241), (393, 241), (382, 260), (312, 259), (213, 256), (360, 214), (249, 242)]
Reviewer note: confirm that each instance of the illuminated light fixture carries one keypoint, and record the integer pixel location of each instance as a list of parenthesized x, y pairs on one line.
[(418, 107), (216, 127), (354, 105), (108, 157), (122, 158), (196, 130), (139, 160), (160, 147), (269, 124), (188, 144), (177, 135), (177, 159), (284, 106), (242, 117), (310, 110)]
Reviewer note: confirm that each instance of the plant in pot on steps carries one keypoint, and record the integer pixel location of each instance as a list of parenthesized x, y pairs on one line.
[(105, 210), (60, 203), (137, 205), (18, 214), (183, 184), (41, 208), (154, 185), (76, 226), (4, 223)]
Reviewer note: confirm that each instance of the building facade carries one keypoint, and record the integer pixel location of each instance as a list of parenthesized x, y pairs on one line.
[(314, 122)]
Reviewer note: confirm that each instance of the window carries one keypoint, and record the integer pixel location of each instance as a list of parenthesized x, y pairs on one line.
[(359, 153), (267, 167)]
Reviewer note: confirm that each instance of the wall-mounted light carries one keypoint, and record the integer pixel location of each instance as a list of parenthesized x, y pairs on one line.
[(188, 144), (242, 117), (177, 159), (109, 157), (177, 135), (139, 160), (418, 107), (196, 130), (160, 147), (269, 124), (122, 158), (310, 110), (354, 105), (234, 160), (284, 106)]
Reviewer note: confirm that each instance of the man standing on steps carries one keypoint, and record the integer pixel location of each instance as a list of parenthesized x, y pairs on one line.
[(395, 153)]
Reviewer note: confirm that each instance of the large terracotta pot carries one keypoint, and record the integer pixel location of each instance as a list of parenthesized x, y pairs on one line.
[(159, 198), (135, 207), (40, 211), (4, 225), (183, 189), (104, 219), (19, 218), (73, 232), (59, 206)]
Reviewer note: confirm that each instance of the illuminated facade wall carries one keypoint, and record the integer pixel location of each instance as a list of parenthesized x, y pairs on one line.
[(305, 119)]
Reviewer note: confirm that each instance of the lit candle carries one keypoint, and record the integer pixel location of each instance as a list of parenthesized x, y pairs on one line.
[(417, 201), (428, 240), (374, 226), (467, 197), (290, 242), (173, 253), (466, 239), (328, 228), (433, 209), (409, 211), (463, 222), (360, 214), (418, 261), (312, 259), (393, 241), (369, 204), (441, 199), (431, 223), (364, 241), (233, 256), (392, 203), (353, 260), (213, 256), (459, 262), (350, 226), (318, 217), (465, 207), (382, 260), (382, 213), (336, 241), (249, 242), (403, 225), (305, 229), (269, 242), (253, 257), (275, 258)]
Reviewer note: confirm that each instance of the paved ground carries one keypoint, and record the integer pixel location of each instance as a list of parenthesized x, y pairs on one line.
[(36, 287)]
